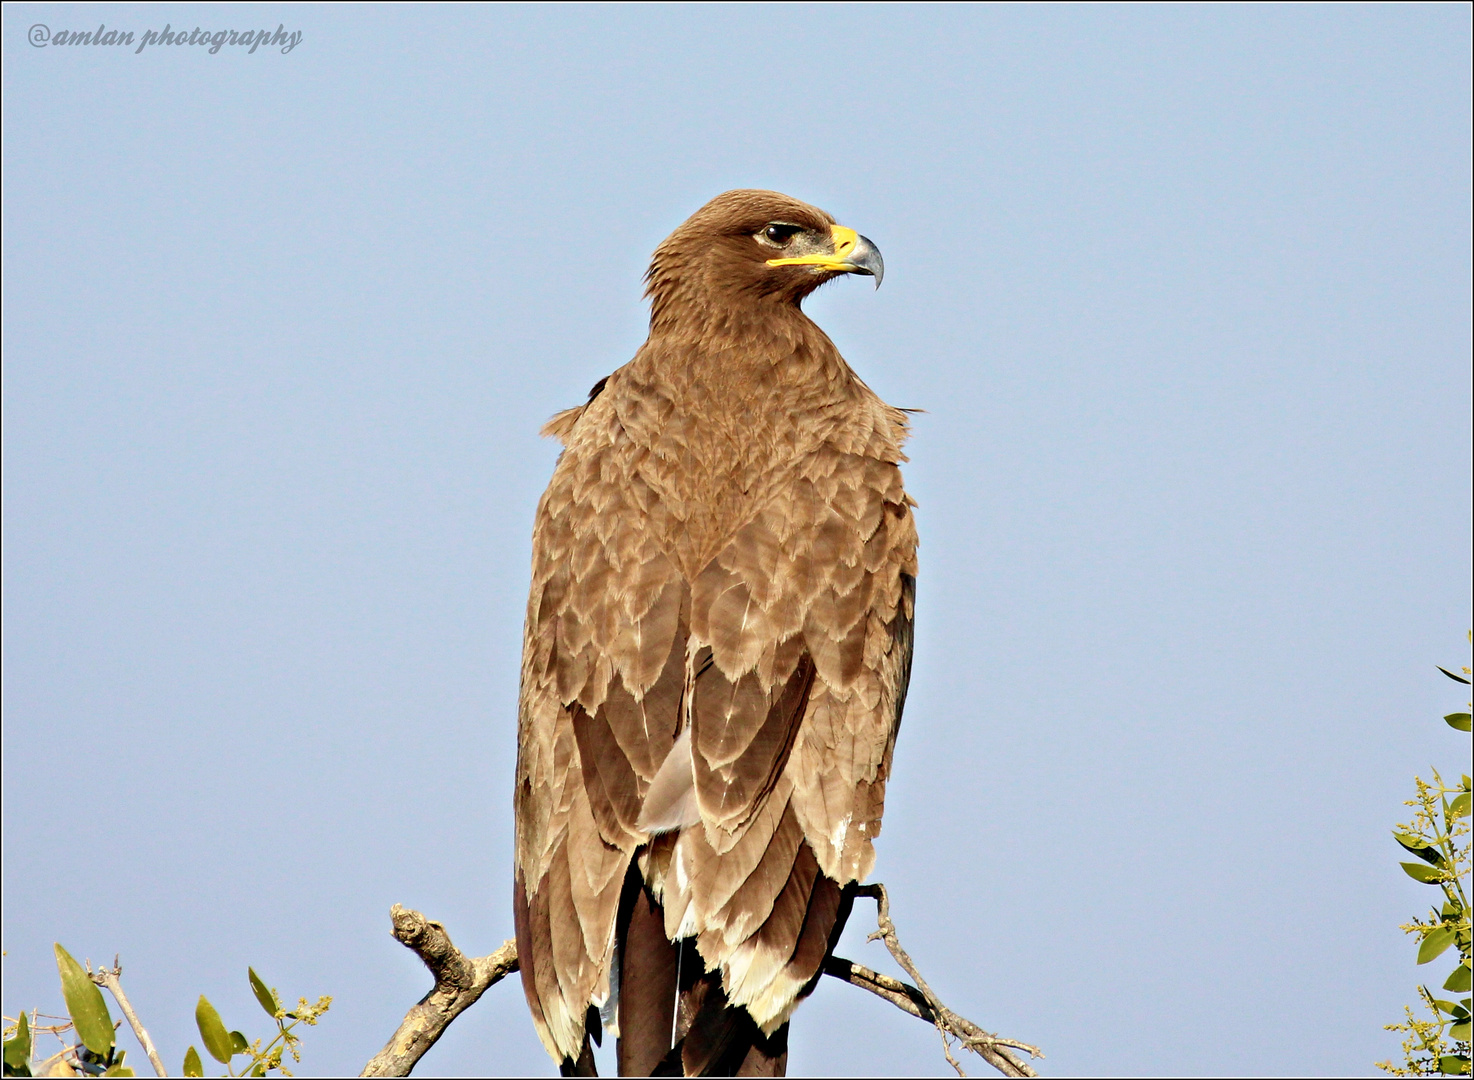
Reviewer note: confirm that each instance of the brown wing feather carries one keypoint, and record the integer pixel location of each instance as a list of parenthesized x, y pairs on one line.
[(602, 683), (814, 659), (609, 777), (742, 732)]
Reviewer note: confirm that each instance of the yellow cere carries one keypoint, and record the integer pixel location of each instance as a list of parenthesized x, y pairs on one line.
[(844, 240)]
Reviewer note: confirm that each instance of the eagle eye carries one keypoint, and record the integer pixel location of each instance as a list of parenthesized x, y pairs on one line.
[(780, 234)]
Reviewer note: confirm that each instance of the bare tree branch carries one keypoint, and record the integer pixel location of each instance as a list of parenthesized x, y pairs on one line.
[(112, 979), (986, 1045), (459, 982)]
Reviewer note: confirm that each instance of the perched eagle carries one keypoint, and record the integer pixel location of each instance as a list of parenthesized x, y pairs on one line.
[(717, 649)]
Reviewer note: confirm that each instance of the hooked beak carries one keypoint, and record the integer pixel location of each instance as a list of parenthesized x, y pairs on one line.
[(853, 254)]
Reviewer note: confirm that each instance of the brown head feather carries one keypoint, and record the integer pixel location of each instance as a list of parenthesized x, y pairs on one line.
[(715, 261)]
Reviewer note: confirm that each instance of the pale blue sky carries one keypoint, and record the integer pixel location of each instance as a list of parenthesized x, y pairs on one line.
[(1184, 292)]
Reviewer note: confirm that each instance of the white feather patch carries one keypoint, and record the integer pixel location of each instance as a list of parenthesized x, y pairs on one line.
[(670, 803), (837, 838)]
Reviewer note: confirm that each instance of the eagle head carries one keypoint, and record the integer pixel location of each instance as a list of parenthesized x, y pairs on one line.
[(752, 247)]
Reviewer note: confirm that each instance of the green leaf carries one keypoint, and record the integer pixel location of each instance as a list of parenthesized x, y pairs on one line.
[(263, 993), (1459, 721), (119, 1070), (1451, 1065), (1459, 1032), (212, 1030), (1435, 943), (1428, 875), (257, 1069), (1459, 806), (16, 1064), (1419, 847), (1458, 982), (1444, 1006), (18, 1049), (192, 1066), (85, 1005), (1451, 675), (238, 1043)]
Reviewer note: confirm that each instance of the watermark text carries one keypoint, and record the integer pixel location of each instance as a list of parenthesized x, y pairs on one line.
[(42, 36)]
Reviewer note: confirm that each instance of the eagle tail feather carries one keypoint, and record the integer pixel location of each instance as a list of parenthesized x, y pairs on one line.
[(647, 979), (666, 991), (721, 1039)]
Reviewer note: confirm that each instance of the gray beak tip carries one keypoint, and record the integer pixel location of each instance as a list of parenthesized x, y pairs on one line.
[(866, 259)]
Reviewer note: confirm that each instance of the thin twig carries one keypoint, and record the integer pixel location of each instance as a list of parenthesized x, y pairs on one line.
[(902, 995), (459, 982), (949, 1025), (111, 978), (48, 1066)]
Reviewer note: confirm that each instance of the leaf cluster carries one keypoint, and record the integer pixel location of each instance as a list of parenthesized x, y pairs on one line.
[(225, 1046), (1439, 836), (96, 1053)]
